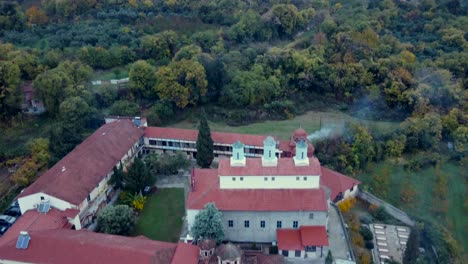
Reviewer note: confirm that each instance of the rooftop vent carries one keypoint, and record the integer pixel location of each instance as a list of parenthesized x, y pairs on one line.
[(23, 240)]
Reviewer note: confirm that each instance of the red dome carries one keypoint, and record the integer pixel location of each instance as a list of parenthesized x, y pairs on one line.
[(300, 133)]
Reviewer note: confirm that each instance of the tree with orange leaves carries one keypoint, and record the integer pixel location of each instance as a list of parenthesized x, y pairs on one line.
[(36, 16)]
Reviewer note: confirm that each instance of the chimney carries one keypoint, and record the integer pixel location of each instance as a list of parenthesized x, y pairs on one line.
[(269, 158), (301, 158), (238, 157), (137, 121)]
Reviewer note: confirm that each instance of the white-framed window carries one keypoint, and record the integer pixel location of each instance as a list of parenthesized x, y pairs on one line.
[(233, 178), (311, 216), (305, 178), (279, 224), (295, 224), (297, 253), (246, 223), (241, 178), (230, 223), (265, 179), (297, 178), (262, 224), (272, 178)]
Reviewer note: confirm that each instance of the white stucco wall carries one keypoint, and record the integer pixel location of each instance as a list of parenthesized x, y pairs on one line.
[(31, 202), (349, 193), (271, 182), (304, 254), (255, 233), (5, 261)]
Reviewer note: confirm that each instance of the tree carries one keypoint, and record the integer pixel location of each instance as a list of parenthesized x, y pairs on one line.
[(65, 138), (138, 177), (75, 112), (183, 82), (11, 16), (166, 164), (286, 18), (142, 79), (161, 46), (329, 258), (117, 176), (124, 108), (208, 224), (204, 143), (412, 247), (117, 220), (10, 94), (36, 16)]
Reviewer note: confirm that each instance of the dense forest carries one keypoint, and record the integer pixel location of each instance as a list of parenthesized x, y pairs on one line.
[(247, 61)]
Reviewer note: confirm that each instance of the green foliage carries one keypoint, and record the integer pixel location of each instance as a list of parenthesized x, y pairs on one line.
[(381, 214), (160, 113), (65, 138), (142, 79), (329, 258), (366, 233), (75, 112), (11, 16), (118, 176), (40, 156), (124, 108), (208, 224), (10, 94), (166, 164), (160, 46), (138, 177), (117, 220), (182, 82), (205, 153), (412, 247)]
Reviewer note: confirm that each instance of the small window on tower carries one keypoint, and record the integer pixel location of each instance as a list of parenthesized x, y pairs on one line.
[(241, 178), (233, 178), (305, 178), (269, 153), (238, 157), (302, 155), (272, 178), (266, 178), (297, 178)]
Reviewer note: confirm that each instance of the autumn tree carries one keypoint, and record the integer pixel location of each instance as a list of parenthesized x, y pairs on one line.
[(182, 82), (36, 16), (39, 149), (10, 94), (205, 153), (161, 46)]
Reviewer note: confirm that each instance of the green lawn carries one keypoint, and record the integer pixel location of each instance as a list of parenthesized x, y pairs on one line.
[(456, 218), (310, 121), (161, 218)]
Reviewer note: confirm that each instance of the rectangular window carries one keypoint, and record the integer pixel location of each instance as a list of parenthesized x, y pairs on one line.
[(152, 142), (269, 153), (246, 223), (297, 178), (305, 178), (272, 178), (230, 223), (311, 216), (265, 179), (262, 224), (42, 198), (285, 253), (352, 188), (89, 197), (297, 254), (278, 224), (233, 178), (295, 224), (241, 178)]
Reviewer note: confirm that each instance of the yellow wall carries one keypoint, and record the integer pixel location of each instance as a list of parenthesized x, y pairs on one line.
[(258, 182)]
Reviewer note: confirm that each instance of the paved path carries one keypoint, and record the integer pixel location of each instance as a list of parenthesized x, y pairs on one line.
[(336, 236), (172, 181)]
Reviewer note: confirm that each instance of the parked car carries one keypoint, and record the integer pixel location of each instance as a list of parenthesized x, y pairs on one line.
[(7, 220), (3, 229), (13, 211)]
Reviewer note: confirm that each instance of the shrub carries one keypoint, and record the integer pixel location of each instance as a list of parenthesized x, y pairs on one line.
[(369, 245), (381, 214), (365, 219), (347, 204), (366, 233), (124, 108)]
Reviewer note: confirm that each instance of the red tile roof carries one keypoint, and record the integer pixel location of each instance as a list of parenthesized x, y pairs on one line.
[(32, 220), (314, 236), (336, 182), (191, 135), (298, 239), (289, 239), (87, 164), (207, 191), (253, 167), (71, 246), (185, 253)]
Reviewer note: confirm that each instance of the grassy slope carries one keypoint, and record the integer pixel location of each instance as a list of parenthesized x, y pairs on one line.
[(422, 180), (310, 122), (161, 218)]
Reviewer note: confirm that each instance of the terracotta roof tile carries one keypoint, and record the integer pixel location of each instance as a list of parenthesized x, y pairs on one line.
[(336, 181), (87, 164), (32, 220), (289, 239), (71, 246), (207, 191), (191, 135), (298, 239), (253, 167), (185, 253)]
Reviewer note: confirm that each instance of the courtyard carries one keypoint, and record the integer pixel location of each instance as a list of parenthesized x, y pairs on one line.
[(162, 216)]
